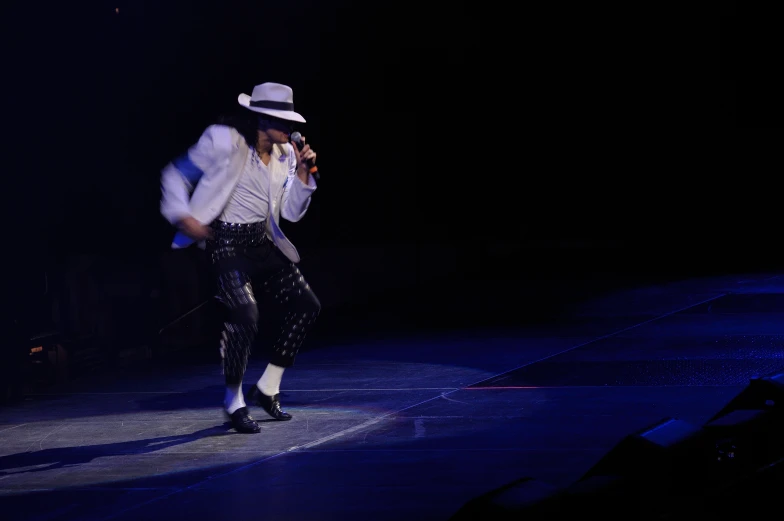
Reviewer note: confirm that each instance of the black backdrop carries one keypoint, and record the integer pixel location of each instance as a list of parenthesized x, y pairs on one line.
[(454, 139)]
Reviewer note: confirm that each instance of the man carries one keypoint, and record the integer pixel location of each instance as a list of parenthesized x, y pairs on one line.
[(230, 191)]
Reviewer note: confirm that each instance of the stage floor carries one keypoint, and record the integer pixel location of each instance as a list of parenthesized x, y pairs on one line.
[(398, 428)]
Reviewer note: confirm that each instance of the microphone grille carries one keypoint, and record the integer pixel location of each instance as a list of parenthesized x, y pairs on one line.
[(296, 137)]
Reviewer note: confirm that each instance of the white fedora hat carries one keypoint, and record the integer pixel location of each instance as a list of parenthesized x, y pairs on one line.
[(272, 99)]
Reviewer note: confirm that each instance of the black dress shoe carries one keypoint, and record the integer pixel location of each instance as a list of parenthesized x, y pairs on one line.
[(242, 421), (271, 404)]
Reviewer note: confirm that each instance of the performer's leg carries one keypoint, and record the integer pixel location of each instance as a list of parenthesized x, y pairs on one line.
[(290, 289), (301, 308), (234, 253), (235, 292)]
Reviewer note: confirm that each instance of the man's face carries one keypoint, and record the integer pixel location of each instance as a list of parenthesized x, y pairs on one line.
[(278, 130)]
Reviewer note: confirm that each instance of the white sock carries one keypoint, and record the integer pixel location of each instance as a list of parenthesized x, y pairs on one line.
[(234, 399), (269, 383)]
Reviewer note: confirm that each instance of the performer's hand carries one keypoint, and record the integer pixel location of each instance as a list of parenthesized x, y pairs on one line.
[(302, 157), (194, 229)]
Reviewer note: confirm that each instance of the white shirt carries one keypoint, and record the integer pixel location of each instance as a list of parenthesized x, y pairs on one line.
[(250, 199)]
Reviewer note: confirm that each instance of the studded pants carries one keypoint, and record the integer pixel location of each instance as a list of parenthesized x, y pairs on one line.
[(241, 271)]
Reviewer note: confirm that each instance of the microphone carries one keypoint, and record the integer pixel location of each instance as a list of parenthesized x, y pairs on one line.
[(296, 137)]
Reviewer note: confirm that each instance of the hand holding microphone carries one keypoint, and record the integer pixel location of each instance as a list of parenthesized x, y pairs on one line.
[(306, 157)]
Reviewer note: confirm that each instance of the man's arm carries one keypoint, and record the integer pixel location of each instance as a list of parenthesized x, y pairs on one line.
[(296, 195), (180, 177)]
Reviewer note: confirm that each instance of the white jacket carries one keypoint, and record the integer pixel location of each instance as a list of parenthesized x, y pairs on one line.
[(200, 183)]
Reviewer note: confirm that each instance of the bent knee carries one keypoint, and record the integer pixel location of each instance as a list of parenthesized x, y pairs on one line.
[(244, 314), (309, 303)]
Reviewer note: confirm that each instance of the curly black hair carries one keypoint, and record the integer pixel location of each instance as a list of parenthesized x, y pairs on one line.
[(246, 122)]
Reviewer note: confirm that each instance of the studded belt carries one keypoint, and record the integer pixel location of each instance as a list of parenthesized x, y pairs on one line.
[(238, 234)]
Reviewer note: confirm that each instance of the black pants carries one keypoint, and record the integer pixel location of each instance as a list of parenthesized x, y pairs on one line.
[(244, 262)]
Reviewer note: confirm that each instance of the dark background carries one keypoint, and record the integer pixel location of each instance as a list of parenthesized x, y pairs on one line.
[(480, 163)]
